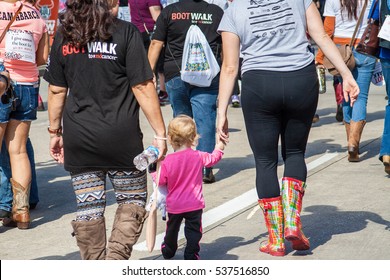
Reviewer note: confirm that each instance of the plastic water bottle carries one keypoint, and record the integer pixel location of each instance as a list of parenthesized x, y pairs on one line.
[(145, 158), (2, 67)]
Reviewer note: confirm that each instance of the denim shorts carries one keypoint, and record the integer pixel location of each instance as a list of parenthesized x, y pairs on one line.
[(26, 104)]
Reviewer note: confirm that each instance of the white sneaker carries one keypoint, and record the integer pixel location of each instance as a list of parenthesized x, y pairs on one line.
[(235, 101)]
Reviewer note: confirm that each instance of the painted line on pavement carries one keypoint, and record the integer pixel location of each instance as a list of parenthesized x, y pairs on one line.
[(230, 207)]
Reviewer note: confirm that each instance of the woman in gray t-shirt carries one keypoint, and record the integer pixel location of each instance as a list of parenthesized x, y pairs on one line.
[(279, 99)]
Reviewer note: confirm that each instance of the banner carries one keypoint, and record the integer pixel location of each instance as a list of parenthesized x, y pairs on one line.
[(49, 12)]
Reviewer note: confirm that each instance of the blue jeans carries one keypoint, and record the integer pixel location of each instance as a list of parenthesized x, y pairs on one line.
[(362, 74), (26, 104), (199, 103), (385, 145), (5, 175)]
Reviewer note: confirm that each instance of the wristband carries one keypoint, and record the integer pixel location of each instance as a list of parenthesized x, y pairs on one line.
[(57, 132), (160, 138)]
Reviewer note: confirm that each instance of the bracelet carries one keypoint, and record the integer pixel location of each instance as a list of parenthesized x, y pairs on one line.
[(160, 138), (57, 132)]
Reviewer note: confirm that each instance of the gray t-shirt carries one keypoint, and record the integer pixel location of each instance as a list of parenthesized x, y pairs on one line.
[(272, 33)]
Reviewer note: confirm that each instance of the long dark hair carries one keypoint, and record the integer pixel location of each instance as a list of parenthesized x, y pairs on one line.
[(85, 21), (350, 6)]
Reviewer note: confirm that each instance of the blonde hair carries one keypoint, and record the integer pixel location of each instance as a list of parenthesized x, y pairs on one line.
[(182, 131)]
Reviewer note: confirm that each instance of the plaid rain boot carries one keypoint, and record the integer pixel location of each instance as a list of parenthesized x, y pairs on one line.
[(273, 215), (292, 194)]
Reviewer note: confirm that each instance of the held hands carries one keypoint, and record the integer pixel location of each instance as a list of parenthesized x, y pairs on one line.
[(220, 145), (222, 130), (350, 89)]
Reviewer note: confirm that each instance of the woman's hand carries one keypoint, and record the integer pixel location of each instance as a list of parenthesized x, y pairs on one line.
[(350, 89), (57, 148), (161, 144), (223, 129)]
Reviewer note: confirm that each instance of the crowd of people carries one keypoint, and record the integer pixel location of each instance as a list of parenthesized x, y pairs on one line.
[(94, 123)]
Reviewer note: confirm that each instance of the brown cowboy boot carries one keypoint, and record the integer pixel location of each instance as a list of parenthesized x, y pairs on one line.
[(347, 129), (20, 207), (354, 140), (91, 238), (128, 224)]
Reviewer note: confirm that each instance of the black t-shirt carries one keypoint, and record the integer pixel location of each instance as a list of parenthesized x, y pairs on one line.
[(172, 26), (101, 114)]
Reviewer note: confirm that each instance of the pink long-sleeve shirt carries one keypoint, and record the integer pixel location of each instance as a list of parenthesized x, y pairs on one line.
[(182, 173)]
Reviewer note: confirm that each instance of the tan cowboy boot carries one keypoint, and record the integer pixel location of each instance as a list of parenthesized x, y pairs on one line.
[(20, 207), (354, 140)]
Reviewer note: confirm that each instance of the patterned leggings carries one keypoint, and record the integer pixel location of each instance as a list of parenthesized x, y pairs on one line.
[(90, 191)]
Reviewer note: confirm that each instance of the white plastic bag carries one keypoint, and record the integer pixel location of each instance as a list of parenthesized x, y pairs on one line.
[(377, 76), (199, 66)]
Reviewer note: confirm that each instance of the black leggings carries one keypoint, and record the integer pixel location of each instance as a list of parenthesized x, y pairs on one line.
[(279, 104)]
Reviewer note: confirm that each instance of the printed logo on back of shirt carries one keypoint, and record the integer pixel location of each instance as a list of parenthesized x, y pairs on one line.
[(271, 18), (95, 50), (203, 18)]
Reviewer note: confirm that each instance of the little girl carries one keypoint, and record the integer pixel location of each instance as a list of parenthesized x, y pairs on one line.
[(181, 172)]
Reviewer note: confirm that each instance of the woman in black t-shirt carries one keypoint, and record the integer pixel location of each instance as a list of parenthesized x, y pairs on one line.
[(99, 76)]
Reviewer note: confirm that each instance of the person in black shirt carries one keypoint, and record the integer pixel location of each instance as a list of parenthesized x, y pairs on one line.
[(99, 76)]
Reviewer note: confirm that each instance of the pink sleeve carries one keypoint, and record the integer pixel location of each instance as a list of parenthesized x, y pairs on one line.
[(211, 159)]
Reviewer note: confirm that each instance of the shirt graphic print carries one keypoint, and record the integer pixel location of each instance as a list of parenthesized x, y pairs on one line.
[(271, 18)]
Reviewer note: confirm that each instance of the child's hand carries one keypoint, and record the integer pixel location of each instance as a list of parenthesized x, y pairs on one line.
[(220, 145)]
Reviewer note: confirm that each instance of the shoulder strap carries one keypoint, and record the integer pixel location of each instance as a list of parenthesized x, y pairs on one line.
[(11, 21), (358, 22)]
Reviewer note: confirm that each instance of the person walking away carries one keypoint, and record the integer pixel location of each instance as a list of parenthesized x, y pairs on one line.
[(98, 79), (343, 15), (20, 108), (194, 101), (279, 98), (181, 173)]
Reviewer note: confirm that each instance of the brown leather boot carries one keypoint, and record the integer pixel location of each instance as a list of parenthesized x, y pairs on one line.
[(128, 224), (91, 238), (356, 130), (20, 207), (347, 130)]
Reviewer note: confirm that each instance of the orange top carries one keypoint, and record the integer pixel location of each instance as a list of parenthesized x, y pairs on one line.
[(329, 24)]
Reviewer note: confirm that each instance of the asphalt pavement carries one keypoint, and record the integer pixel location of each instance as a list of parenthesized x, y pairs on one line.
[(345, 208)]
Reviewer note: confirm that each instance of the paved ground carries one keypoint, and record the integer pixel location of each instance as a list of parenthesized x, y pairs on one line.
[(346, 207)]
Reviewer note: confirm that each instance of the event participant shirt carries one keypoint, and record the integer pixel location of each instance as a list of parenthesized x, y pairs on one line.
[(101, 114), (272, 33), (345, 27), (20, 43), (172, 26)]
